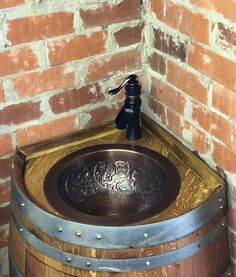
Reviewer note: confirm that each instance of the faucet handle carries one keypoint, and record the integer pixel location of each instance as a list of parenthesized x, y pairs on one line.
[(116, 90)]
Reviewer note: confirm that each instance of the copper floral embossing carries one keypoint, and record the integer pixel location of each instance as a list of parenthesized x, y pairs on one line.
[(117, 175)]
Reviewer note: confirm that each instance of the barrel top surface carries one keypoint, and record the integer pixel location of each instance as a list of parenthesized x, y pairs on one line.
[(198, 181)]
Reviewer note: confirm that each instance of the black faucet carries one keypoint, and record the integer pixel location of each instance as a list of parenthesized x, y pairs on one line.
[(129, 115)]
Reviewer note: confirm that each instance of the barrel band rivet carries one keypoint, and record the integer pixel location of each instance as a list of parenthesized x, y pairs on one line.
[(88, 264), (78, 234), (68, 259), (59, 229), (98, 236)]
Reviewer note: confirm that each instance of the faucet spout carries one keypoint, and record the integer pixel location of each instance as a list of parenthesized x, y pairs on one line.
[(129, 115)]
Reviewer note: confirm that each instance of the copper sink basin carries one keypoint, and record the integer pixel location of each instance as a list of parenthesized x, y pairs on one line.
[(112, 184)]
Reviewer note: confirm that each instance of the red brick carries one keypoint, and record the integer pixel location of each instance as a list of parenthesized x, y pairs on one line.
[(167, 95), (188, 82), (5, 144), (157, 8), (5, 215), (10, 3), (45, 131), (187, 22), (199, 142), (5, 168), (110, 65), (106, 14), (18, 60), (129, 35), (215, 125), (157, 63), (76, 98), (174, 122), (227, 38), (49, 79), (4, 234), (19, 113), (167, 44), (34, 28), (219, 6), (157, 108), (2, 97), (103, 114), (198, 139), (5, 192), (212, 65), (224, 157), (224, 100), (79, 47)]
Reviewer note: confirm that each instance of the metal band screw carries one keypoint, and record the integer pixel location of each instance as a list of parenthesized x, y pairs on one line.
[(59, 229), (98, 236), (78, 234), (68, 259)]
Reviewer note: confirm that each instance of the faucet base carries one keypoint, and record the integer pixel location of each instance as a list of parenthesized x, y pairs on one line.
[(133, 130)]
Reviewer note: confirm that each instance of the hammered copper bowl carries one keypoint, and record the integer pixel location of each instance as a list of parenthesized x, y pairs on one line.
[(112, 184)]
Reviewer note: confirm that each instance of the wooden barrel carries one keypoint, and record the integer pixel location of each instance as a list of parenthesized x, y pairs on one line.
[(43, 244)]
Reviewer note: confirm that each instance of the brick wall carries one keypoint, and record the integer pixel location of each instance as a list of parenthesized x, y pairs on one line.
[(191, 46), (56, 60)]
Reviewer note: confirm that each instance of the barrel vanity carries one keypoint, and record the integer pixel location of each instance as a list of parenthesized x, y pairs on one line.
[(156, 208)]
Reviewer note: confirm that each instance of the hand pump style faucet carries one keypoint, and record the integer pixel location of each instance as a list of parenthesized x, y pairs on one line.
[(129, 115)]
